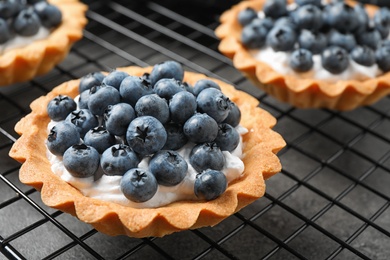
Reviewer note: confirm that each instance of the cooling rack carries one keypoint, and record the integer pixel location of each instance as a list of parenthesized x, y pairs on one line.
[(331, 200)]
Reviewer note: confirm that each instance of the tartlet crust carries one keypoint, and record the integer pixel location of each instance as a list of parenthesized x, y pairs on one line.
[(39, 57), (261, 162), (301, 93)]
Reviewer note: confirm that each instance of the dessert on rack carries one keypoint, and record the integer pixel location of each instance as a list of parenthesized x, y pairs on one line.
[(37, 35), (311, 53), (147, 151)]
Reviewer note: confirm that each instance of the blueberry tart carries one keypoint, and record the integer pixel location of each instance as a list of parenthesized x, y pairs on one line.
[(169, 151), (37, 35), (311, 54)]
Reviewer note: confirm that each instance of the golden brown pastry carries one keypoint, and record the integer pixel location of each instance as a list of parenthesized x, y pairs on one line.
[(260, 147), (39, 57), (300, 92)]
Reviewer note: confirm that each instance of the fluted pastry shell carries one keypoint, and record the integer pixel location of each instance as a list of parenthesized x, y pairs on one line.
[(260, 147), (40, 56), (299, 92)]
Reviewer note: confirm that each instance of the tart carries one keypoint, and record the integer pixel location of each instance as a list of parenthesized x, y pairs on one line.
[(296, 89), (259, 157), (40, 56)]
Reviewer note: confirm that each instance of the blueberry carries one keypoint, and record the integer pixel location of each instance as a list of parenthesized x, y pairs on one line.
[(146, 135), (118, 117), (5, 34), (83, 99), (62, 136), (315, 42), (286, 21), (153, 105), (344, 40), (133, 88), (362, 17), (308, 2), (363, 55), (369, 38), (83, 119), (166, 88), (9, 8), (275, 8), (176, 138), (27, 23), (228, 137), (234, 116), (169, 167), (308, 17), (382, 21), (341, 17), (254, 35), (335, 59), (382, 56), (138, 185), (383, 44), (182, 106), (115, 78), (266, 22), (50, 15), (100, 99), (166, 69), (187, 87), (146, 78), (214, 103), (282, 38), (99, 138), (200, 128), (203, 84), (210, 184), (118, 159), (207, 156), (81, 161), (301, 60), (60, 107), (90, 80), (246, 16)]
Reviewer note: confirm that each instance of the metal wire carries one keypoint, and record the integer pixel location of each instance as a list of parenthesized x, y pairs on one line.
[(299, 202)]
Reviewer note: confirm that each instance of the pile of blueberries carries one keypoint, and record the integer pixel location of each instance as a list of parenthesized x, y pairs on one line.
[(336, 31), (25, 17), (122, 118)]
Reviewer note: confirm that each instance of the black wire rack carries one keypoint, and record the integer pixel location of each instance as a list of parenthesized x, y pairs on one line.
[(331, 200)]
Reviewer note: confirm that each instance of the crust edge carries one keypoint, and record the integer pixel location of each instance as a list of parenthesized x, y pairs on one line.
[(301, 93), (39, 57), (260, 161)]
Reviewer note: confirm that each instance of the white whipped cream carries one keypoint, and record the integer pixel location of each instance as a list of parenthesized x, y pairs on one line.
[(107, 188), (18, 41), (279, 61)]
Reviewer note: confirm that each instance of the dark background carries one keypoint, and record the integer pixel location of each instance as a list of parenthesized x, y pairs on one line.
[(331, 200)]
